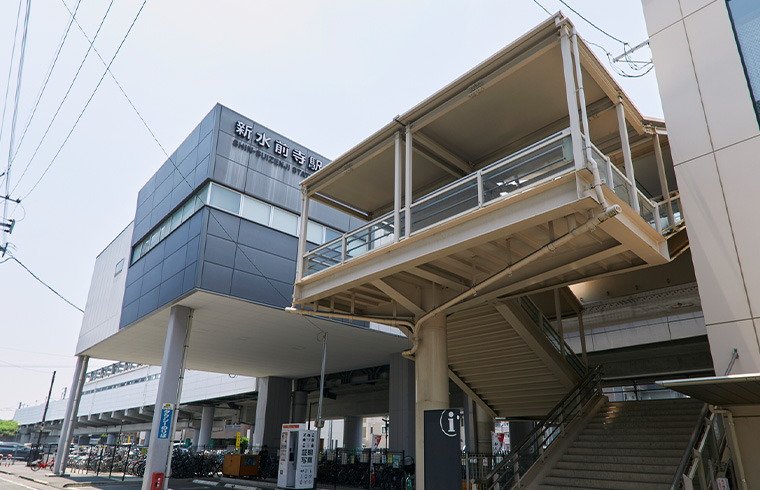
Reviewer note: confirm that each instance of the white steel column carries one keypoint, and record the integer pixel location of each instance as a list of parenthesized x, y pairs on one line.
[(572, 100), (581, 96), (169, 388), (302, 234), (627, 159), (207, 425), (431, 370), (664, 187), (70, 417), (397, 178), (408, 183)]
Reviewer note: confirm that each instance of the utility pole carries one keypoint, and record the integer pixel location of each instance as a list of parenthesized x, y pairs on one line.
[(44, 413)]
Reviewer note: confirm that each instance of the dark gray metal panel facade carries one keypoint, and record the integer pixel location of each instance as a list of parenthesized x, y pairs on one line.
[(214, 250), (187, 168)]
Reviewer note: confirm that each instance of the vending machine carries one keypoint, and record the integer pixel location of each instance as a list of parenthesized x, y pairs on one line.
[(298, 453)]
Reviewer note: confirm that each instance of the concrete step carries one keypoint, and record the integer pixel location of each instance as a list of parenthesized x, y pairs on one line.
[(595, 465), (640, 445), (643, 423), (554, 483), (627, 476), (608, 451), (648, 413), (685, 402), (635, 415), (634, 437), (621, 431), (606, 458)]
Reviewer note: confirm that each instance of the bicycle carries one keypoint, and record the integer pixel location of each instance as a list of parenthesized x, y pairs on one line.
[(41, 464)]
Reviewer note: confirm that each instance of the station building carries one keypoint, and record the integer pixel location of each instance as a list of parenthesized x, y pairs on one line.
[(523, 241)]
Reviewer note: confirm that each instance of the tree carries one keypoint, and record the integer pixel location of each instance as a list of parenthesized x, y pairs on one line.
[(8, 428)]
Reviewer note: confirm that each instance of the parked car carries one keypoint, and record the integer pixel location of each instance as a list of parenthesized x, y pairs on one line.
[(19, 451)]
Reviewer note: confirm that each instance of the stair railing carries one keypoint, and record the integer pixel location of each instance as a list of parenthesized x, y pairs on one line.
[(701, 462), (507, 474), (556, 340)]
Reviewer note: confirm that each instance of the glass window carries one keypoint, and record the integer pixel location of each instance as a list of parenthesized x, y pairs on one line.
[(331, 234), (119, 267), (745, 16), (136, 253), (188, 209), (315, 233), (176, 219), (155, 238), (225, 199), (284, 221), (256, 211)]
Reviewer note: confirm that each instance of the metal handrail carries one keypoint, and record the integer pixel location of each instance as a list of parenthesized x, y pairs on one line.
[(547, 431), (701, 425)]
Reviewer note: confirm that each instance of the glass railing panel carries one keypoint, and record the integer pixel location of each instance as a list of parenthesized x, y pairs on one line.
[(675, 202), (647, 210), (515, 174), (323, 257), (620, 184), (452, 200)]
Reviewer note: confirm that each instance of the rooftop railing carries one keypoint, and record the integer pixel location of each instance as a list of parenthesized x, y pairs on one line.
[(525, 169)]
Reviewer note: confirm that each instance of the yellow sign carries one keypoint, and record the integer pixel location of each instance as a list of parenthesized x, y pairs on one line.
[(237, 440)]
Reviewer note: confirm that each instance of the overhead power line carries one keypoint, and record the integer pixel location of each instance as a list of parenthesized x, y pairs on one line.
[(92, 95), (63, 100), (47, 77), (118, 84), (635, 65), (10, 72), (42, 282), (563, 2)]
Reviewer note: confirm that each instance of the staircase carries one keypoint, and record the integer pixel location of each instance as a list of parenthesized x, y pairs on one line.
[(511, 357), (627, 445)]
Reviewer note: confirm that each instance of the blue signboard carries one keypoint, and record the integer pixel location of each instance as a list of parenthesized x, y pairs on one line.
[(165, 424)]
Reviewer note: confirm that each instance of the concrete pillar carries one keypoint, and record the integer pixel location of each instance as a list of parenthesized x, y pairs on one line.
[(300, 406), (401, 405), (169, 388), (207, 424), (483, 430), (272, 410), (70, 416), (111, 439), (352, 432), (468, 422), (431, 375), (146, 441)]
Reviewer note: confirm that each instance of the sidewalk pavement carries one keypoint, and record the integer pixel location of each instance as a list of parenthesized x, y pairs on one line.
[(46, 477)]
